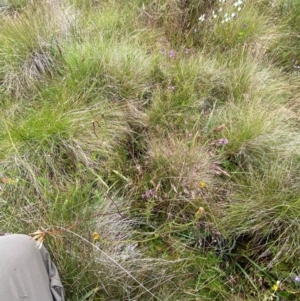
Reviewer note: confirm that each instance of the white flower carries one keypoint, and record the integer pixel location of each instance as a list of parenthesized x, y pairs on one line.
[(239, 8), (202, 18), (233, 15), (237, 3), (220, 9)]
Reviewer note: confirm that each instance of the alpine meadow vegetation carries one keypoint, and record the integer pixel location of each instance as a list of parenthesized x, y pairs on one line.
[(153, 145)]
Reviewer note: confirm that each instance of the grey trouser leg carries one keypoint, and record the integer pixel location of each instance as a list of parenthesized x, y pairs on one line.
[(27, 273)]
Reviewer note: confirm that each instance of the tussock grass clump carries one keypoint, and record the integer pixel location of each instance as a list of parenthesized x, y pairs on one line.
[(267, 205), (248, 79), (111, 69), (247, 131), (32, 49), (182, 162), (272, 206), (190, 84), (60, 138), (284, 50)]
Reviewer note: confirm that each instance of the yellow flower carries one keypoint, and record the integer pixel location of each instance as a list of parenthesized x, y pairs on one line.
[(96, 236), (275, 287), (202, 184), (200, 211), (8, 181)]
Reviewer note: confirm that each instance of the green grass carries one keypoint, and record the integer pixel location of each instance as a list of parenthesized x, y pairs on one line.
[(113, 117)]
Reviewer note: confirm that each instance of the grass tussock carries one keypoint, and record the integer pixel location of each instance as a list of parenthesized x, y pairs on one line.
[(155, 145)]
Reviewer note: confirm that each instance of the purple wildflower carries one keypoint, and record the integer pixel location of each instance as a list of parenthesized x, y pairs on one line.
[(171, 53), (148, 194), (187, 50), (222, 141), (171, 88), (297, 278)]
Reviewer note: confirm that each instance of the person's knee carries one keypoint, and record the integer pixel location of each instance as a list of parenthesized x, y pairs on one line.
[(19, 245)]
